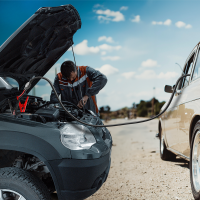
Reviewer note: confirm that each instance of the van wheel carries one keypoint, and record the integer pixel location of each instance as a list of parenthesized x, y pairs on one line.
[(164, 153), (195, 162), (16, 184)]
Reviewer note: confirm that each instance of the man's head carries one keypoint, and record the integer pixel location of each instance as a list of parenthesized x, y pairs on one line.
[(68, 70)]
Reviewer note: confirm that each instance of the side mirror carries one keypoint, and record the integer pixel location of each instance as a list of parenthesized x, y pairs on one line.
[(168, 89)]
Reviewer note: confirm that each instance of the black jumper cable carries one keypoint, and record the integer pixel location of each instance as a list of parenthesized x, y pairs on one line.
[(28, 85)]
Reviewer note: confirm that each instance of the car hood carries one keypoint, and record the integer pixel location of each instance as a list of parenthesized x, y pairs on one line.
[(36, 46)]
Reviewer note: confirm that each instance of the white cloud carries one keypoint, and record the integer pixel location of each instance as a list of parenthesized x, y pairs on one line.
[(113, 58), (108, 69), (107, 39), (128, 75), (136, 19), (167, 75), (166, 23), (181, 24), (150, 74), (188, 26), (98, 5), (83, 49), (149, 63), (109, 15), (124, 8), (157, 23), (102, 19), (110, 48), (103, 53)]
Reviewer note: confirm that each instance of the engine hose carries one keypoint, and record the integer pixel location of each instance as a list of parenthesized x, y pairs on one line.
[(28, 85)]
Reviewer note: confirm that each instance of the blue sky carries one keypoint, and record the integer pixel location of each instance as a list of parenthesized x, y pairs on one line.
[(135, 43)]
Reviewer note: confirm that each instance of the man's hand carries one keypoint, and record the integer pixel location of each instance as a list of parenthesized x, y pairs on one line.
[(82, 101)]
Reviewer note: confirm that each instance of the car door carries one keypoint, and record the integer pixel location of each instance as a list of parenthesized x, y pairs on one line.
[(170, 123), (185, 111)]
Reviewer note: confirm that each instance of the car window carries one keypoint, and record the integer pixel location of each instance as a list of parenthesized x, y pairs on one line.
[(196, 73), (187, 70)]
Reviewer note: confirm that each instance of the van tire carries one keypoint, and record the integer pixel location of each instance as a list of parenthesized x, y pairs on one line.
[(24, 183)]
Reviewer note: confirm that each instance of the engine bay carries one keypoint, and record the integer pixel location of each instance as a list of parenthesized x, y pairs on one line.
[(43, 111)]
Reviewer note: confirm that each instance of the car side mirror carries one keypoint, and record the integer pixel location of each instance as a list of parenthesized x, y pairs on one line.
[(168, 89)]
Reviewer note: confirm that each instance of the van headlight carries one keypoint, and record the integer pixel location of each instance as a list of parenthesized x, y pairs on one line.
[(76, 137)]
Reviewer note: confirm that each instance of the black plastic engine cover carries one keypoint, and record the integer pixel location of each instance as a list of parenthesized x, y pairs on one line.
[(49, 113)]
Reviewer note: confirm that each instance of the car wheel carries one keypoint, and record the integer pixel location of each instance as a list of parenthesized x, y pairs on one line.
[(195, 162), (18, 184), (164, 153)]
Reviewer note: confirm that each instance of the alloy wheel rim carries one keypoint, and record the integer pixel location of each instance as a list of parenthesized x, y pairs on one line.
[(196, 162), (13, 195)]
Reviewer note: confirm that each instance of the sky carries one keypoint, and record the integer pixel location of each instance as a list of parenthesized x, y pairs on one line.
[(134, 43)]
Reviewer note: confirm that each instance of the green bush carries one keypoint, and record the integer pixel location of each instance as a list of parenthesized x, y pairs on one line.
[(144, 106)]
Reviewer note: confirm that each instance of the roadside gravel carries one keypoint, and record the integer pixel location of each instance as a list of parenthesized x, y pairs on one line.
[(137, 172)]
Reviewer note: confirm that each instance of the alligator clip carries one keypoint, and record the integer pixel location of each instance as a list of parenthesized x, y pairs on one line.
[(22, 106), (12, 109)]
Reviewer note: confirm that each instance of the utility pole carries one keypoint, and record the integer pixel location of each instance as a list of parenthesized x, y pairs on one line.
[(153, 101)]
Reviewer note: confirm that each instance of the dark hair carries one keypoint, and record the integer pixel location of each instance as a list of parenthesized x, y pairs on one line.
[(67, 67)]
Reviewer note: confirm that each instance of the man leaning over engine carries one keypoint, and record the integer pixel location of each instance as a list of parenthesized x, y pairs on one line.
[(67, 82)]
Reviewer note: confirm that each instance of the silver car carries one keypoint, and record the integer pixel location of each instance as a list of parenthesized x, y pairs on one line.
[(179, 126)]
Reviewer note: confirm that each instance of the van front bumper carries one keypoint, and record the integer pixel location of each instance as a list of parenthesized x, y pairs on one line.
[(79, 179)]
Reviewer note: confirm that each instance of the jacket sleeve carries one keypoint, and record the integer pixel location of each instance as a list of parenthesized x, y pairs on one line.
[(99, 81), (53, 97)]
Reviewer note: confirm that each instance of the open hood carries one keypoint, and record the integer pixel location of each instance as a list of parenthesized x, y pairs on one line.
[(36, 46)]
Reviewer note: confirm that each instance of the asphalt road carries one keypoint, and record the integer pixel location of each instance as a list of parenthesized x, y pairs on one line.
[(137, 172)]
